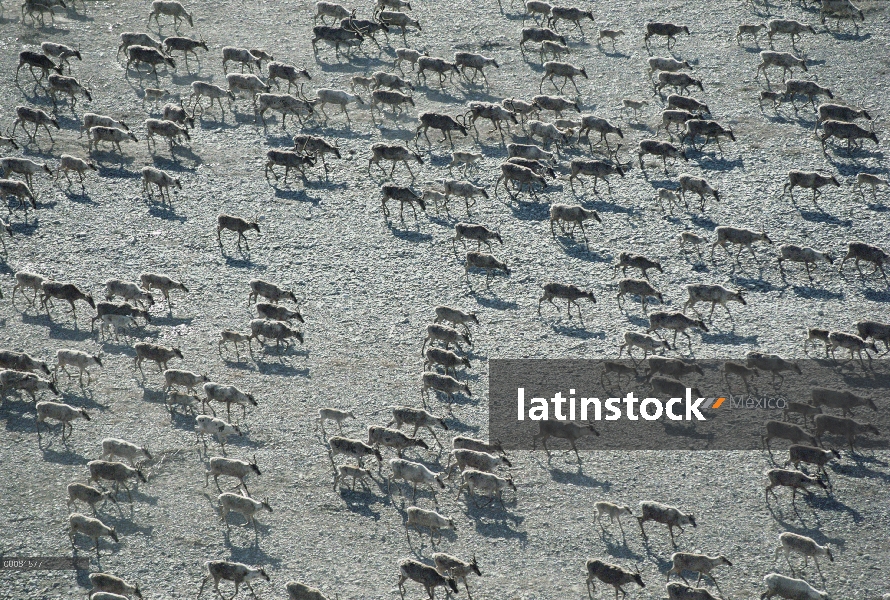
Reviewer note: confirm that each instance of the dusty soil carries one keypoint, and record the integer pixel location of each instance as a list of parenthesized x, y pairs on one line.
[(369, 287)]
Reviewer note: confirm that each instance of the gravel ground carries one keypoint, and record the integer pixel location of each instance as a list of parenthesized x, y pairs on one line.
[(370, 286)]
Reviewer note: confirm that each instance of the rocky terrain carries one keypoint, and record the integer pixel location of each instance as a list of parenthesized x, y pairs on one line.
[(368, 286)]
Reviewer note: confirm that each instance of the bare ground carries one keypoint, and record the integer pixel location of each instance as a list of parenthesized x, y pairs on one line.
[(370, 286)]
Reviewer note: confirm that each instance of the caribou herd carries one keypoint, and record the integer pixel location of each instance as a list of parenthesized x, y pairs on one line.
[(435, 128)]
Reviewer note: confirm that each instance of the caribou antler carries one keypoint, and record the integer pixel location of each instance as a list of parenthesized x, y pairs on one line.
[(305, 144)]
